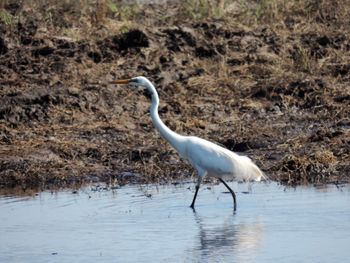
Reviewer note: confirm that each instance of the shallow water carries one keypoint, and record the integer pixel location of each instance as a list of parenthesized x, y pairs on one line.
[(155, 224)]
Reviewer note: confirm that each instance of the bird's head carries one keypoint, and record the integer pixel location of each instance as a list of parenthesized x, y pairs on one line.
[(138, 81)]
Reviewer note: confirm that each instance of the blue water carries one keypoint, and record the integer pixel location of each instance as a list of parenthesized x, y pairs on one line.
[(155, 224)]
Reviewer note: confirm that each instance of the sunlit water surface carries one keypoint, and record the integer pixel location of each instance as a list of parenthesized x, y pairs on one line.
[(155, 224)]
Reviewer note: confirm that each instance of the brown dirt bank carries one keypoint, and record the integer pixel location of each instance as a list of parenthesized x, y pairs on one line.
[(276, 88)]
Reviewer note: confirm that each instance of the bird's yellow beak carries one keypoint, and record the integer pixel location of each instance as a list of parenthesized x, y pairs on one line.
[(120, 81)]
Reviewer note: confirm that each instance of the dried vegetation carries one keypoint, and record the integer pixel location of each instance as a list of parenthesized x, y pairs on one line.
[(265, 78)]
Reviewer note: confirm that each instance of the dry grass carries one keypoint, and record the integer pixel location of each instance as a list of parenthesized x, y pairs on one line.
[(268, 78)]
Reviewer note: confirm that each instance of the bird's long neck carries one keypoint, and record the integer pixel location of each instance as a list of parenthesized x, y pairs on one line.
[(172, 137)]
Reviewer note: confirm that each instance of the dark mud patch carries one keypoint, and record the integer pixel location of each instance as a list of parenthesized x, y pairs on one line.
[(3, 47), (130, 40)]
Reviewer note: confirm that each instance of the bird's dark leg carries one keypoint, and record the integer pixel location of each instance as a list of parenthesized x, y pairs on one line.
[(195, 194), (232, 193)]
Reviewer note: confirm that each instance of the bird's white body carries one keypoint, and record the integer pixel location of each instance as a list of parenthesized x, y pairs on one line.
[(209, 159)]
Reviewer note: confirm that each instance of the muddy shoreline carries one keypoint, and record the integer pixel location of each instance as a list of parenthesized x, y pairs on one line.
[(277, 92)]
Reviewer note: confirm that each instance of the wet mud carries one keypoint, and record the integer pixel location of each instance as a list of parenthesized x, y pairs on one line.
[(278, 94)]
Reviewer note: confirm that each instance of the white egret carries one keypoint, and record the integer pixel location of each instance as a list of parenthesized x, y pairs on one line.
[(209, 159)]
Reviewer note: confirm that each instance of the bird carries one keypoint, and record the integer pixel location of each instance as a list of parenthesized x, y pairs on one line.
[(207, 158)]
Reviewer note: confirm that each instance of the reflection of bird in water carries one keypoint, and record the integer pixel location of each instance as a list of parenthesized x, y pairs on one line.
[(228, 241), (209, 159)]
